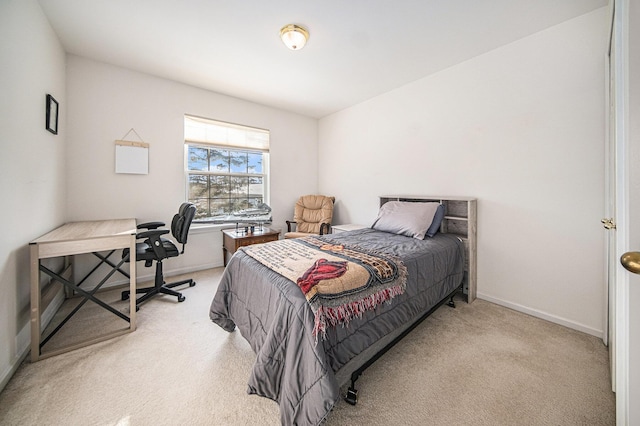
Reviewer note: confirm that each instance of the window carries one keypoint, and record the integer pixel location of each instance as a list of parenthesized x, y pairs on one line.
[(227, 167)]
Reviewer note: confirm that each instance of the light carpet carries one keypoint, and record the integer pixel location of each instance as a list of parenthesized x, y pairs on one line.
[(477, 364)]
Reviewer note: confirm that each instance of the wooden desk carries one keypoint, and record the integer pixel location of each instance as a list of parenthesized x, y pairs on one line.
[(232, 240), (77, 238)]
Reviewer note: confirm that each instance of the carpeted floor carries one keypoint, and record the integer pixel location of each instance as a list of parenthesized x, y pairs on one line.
[(478, 364)]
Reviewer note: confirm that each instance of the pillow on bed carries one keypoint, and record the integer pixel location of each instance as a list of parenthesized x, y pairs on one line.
[(437, 220), (406, 218)]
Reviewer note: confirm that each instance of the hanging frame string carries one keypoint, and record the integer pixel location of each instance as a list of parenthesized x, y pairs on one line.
[(132, 130)]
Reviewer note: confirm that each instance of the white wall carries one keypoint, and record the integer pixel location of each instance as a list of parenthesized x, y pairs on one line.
[(105, 102), (32, 178), (522, 129)]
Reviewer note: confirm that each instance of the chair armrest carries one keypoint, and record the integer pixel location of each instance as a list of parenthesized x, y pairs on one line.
[(153, 234), (152, 238), (289, 223), (325, 228), (150, 225)]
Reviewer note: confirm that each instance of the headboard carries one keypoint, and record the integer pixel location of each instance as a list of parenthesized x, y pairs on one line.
[(460, 219)]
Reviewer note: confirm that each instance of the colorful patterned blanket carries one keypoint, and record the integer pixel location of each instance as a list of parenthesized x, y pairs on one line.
[(339, 282)]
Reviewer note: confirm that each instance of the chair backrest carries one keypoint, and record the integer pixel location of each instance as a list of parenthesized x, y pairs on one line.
[(311, 211), (182, 221)]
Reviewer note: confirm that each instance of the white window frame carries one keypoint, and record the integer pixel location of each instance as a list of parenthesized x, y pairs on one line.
[(208, 133)]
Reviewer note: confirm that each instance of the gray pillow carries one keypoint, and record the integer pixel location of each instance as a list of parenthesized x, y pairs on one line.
[(437, 220), (406, 218)]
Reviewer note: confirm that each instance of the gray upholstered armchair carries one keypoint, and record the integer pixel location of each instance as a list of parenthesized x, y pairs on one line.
[(312, 216)]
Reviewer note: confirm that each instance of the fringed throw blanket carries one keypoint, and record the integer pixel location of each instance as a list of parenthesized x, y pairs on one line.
[(339, 282)]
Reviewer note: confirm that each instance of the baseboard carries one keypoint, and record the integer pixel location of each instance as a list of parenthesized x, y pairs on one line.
[(23, 339), (543, 315), (8, 373), (150, 275)]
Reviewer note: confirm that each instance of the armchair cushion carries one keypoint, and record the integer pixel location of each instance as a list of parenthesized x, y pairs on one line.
[(294, 234), (312, 215), (311, 211)]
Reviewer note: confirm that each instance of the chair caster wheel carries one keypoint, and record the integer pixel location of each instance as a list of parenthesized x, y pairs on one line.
[(181, 298), (192, 283), (125, 295), (352, 396)]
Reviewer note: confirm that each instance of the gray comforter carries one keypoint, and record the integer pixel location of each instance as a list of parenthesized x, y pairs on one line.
[(271, 312)]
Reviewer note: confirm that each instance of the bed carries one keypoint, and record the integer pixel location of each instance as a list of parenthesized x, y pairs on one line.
[(306, 349)]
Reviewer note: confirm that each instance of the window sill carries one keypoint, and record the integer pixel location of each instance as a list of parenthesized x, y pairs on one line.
[(204, 228)]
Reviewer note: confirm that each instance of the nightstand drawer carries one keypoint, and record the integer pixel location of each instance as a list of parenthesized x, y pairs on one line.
[(255, 240), (233, 240)]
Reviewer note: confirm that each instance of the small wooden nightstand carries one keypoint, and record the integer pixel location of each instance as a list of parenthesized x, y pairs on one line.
[(335, 229), (232, 240)]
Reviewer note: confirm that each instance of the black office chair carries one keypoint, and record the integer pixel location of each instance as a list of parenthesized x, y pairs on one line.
[(156, 248)]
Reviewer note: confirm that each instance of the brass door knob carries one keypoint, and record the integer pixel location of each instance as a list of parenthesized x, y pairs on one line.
[(631, 261)]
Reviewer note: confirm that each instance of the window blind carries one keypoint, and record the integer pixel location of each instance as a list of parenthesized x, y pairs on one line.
[(199, 130)]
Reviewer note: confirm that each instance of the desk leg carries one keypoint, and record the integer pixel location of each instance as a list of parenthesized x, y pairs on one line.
[(224, 256), (132, 283), (35, 302)]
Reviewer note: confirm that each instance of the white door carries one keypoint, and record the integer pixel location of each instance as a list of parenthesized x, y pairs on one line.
[(625, 120), (610, 218), (632, 128)]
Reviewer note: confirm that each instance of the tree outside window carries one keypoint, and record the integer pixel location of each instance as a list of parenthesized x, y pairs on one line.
[(224, 181)]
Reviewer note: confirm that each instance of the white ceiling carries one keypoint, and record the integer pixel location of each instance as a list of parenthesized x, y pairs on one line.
[(357, 48)]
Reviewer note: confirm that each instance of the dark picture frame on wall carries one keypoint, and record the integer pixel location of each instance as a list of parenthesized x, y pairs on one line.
[(52, 115)]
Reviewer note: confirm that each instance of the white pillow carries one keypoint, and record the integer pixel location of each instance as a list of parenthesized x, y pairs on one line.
[(405, 218)]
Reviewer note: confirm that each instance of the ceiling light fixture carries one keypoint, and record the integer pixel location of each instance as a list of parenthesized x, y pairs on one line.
[(294, 36)]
